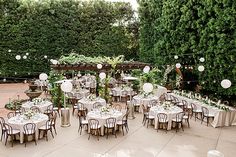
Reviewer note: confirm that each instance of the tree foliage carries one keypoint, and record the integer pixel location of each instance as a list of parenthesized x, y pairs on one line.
[(192, 29), (58, 27)]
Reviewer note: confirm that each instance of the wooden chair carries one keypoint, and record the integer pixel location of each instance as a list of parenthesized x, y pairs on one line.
[(3, 132), (10, 132), (45, 128), (124, 96), (162, 120), (74, 102), (226, 103), (153, 103), (206, 114), (146, 116), (136, 105), (11, 114), (115, 95), (195, 111), (117, 107), (110, 125), (178, 120), (35, 109), (29, 130), (82, 109), (94, 127), (124, 122), (49, 110), (82, 122), (97, 105), (53, 118)]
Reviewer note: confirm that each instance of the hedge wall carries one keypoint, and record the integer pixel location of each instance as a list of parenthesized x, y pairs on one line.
[(57, 27), (192, 29)]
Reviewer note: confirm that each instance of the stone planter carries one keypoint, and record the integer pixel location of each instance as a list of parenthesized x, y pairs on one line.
[(65, 117)]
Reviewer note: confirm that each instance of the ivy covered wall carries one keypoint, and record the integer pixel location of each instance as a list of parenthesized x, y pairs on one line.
[(57, 27), (192, 29)]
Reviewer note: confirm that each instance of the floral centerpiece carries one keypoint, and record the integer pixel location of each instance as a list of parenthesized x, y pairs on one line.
[(166, 105), (92, 97), (36, 101), (28, 114), (105, 109)]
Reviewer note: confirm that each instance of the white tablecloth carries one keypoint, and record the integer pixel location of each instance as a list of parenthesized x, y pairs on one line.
[(101, 117), (171, 114), (89, 104), (83, 92), (19, 121), (144, 100), (159, 91), (42, 105), (221, 117)]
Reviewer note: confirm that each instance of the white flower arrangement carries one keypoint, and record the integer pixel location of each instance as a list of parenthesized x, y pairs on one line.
[(105, 109), (92, 97), (36, 101), (28, 114), (166, 105)]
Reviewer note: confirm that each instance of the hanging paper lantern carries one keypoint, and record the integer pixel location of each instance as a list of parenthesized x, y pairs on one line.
[(176, 57), (178, 65), (24, 57), (27, 54), (147, 87), (18, 57), (201, 68), (9, 50), (146, 69), (45, 57), (202, 59), (102, 75), (99, 66), (43, 76), (66, 86), (226, 83)]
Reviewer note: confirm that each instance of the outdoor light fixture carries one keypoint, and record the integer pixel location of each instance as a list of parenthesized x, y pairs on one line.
[(226, 83)]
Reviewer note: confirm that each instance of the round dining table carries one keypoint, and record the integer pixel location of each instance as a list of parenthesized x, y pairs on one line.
[(140, 99), (19, 121), (170, 112), (101, 117), (88, 103), (41, 105)]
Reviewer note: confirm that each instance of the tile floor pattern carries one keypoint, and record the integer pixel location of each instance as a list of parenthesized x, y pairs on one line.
[(139, 142)]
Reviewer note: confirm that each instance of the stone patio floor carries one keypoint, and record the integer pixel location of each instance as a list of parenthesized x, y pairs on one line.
[(140, 141)]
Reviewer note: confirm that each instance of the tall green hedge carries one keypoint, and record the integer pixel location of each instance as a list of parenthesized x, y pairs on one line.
[(57, 27), (192, 29)]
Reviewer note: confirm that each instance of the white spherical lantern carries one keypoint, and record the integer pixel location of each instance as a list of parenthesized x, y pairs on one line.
[(9, 50), (177, 65), (102, 75), (43, 76), (18, 57), (202, 59), (4, 80), (45, 57), (146, 69), (27, 54), (54, 62), (226, 83), (66, 86), (176, 57), (24, 57), (147, 87), (99, 66), (201, 68)]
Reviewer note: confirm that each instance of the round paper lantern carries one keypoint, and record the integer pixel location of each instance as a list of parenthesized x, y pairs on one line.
[(27, 54), (225, 83), (202, 59), (201, 68), (66, 86), (146, 69), (214, 153), (147, 87), (177, 65), (99, 66), (4, 80), (24, 57), (45, 57), (102, 75), (43, 76), (9, 50), (54, 62), (18, 57), (176, 57)]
